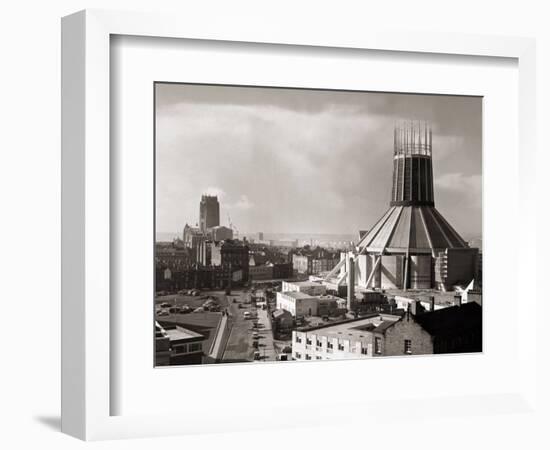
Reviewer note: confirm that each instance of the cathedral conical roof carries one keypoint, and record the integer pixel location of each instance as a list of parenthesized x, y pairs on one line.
[(411, 229)]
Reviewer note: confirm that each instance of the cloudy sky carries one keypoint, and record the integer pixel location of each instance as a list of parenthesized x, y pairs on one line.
[(306, 161)]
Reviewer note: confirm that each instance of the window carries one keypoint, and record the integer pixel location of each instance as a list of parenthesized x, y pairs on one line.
[(298, 355), (330, 345), (318, 357), (340, 346), (308, 357), (180, 348), (308, 341), (298, 339), (408, 347), (378, 346), (364, 351), (195, 347)]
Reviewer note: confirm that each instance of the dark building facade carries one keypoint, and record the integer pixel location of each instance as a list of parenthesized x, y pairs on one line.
[(457, 329), (209, 213), (232, 255)]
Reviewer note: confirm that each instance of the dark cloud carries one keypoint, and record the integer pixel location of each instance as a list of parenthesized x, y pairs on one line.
[(288, 160)]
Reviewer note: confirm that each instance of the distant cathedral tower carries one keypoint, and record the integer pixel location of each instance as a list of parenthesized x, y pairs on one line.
[(209, 215)]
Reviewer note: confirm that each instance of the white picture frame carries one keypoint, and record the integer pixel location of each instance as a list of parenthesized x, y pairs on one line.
[(86, 215)]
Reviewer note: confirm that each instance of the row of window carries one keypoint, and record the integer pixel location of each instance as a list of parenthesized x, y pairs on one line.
[(407, 346), (188, 348)]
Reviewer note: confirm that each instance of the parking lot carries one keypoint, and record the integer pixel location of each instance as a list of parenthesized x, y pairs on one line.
[(250, 337), (179, 300)]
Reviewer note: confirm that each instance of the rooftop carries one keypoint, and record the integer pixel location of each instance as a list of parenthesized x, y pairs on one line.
[(417, 229), (297, 295), (356, 328), (305, 283), (180, 333)]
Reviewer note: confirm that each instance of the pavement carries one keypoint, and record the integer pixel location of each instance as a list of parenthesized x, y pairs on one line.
[(217, 348), (267, 349)]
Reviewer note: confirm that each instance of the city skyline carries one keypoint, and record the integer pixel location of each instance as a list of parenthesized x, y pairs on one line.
[(321, 157)]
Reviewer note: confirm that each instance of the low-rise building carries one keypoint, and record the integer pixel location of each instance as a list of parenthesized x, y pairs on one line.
[(175, 345), (357, 338), (282, 270), (220, 233), (283, 322), (263, 272), (456, 329), (305, 287), (300, 304), (172, 257), (314, 261), (231, 254)]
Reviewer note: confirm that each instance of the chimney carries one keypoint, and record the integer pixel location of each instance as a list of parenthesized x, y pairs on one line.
[(458, 300), (351, 284), (416, 307)]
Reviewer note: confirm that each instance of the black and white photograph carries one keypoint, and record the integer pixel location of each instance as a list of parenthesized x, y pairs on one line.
[(311, 225)]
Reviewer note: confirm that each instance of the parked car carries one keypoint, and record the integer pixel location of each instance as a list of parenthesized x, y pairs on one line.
[(166, 305), (199, 309), (163, 312), (255, 335), (175, 310), (246, 315)]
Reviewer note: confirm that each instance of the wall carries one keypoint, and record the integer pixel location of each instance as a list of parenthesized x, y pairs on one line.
[(421, 341)]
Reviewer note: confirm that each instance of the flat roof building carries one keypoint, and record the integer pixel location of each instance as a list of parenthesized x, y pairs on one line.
[(301, 304)]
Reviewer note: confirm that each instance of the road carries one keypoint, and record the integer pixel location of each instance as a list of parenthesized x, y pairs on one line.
[(239, 345), (266, 344)]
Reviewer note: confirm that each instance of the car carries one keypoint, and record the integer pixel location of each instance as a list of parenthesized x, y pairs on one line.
[(163, 312), (185, 309), (166, 305), (175, 310), (199, 309), (255, 335), (246, 315)]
